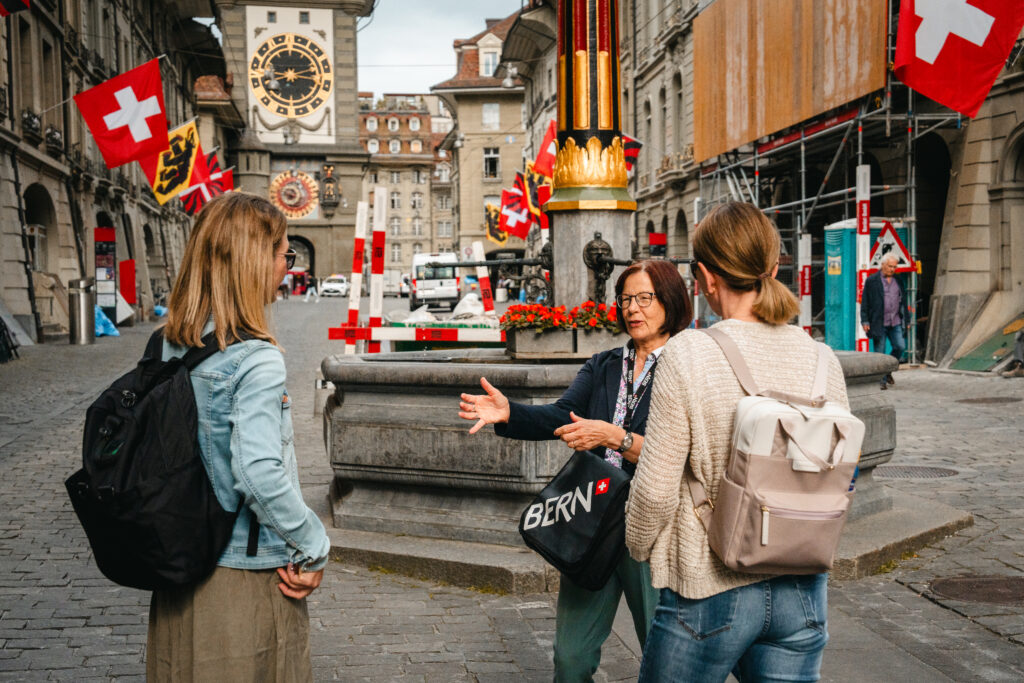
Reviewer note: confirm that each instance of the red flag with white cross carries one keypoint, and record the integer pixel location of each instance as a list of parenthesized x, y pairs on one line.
[(126, 115), (516, 218), (545, 163), (952, 50)]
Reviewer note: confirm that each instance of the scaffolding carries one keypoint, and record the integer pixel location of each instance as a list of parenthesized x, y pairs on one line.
[(764, 171)]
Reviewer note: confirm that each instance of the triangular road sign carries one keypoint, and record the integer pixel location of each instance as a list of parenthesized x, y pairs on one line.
[(890, 243)]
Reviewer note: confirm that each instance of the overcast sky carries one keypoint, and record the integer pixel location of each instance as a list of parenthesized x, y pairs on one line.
[(407, 46)]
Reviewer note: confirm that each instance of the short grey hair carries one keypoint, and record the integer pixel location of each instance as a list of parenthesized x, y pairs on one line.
[(890, 257)]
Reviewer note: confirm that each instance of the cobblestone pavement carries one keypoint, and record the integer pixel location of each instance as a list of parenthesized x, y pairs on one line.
[(60, 620)]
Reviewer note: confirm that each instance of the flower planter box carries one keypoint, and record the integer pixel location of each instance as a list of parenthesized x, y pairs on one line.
[(589, 342), (547, 344), (556, 344)]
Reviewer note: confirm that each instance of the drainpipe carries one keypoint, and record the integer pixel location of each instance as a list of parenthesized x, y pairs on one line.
[(77, 226), (21, 201)]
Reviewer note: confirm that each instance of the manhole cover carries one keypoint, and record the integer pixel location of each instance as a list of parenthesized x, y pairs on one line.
[(990, 400), (913, 472), (1001, 590)]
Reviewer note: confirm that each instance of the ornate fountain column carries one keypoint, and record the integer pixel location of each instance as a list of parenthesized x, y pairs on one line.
[(589, 186)]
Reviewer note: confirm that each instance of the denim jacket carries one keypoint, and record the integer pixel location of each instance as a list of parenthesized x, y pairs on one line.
[(246, 439)]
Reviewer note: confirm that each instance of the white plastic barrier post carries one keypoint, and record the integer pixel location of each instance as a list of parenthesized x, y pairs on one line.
[(486, 292), (356, 282), (804, 264), (863, 246), (380, 217)]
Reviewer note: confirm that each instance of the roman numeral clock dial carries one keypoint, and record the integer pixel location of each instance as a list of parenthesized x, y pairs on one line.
[(290, 75)]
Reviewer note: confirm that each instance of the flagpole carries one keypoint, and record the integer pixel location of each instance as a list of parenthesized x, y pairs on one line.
[(66, 100)]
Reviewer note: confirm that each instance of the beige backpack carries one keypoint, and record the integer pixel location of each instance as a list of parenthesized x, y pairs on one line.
[(783, 499)]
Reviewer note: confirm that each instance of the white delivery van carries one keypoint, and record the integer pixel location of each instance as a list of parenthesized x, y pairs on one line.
[(434, 286)]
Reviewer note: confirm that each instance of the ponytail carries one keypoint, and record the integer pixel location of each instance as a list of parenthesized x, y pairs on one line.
[(775, 304)]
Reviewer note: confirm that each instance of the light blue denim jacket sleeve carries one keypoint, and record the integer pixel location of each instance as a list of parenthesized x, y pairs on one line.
[(261, 445)]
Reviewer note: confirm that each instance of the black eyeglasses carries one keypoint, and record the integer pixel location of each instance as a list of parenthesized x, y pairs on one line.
[(289, 258), (643, 299)]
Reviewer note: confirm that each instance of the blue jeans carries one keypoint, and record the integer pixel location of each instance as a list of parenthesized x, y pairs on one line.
[(773, 630), (894, 334)]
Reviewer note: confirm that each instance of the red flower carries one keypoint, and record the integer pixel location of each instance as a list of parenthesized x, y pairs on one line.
[(612, 314), (588, 305), (602, 308), (530, 318), (593, 322)]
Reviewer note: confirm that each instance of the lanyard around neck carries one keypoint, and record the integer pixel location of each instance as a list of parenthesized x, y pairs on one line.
[(633, 400)]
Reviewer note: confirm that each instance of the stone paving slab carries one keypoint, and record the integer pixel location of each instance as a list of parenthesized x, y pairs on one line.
[(60, 620)]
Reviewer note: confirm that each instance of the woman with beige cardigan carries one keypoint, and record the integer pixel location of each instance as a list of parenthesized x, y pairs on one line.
[(710, 620)]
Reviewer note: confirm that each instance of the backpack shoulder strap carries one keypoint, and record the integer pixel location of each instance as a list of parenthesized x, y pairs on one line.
[(198, 354), (820, 385), (155, 346), (735, 358)]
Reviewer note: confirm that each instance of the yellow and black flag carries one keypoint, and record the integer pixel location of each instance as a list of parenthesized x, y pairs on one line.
[(492, 220), (173, 171)]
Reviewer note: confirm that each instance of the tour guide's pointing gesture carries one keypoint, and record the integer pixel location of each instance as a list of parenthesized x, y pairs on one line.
[(598, 414)]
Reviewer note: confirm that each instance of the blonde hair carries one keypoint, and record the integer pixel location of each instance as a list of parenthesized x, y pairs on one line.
[(227, 272), (737, 242)]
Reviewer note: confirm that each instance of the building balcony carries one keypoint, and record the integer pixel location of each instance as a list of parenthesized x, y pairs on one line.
[(676, 166)]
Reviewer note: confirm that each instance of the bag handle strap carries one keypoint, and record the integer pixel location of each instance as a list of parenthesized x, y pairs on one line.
[(835, 457), (154, 347), (702, 505), (197, 354), (820, 385), (735, 359)]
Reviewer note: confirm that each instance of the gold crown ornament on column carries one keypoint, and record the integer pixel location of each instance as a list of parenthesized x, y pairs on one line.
[(590, 167)]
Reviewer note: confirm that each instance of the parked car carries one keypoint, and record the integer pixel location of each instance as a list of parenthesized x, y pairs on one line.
[(335, 285), (434, 286)]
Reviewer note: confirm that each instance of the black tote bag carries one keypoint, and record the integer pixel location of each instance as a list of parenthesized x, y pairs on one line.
[(577, 522)]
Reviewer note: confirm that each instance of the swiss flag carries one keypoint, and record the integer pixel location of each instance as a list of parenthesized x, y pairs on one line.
[(953, 50), (545, 163), (602, 486), (126, 115), (516, 218)]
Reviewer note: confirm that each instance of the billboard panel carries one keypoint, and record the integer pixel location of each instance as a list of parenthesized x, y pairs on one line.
[(764, 65)]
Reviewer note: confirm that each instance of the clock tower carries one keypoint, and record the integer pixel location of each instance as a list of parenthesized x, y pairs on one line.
[(294, 70)]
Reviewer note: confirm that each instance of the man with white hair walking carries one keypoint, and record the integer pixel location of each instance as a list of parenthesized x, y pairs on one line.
[(882, 304)]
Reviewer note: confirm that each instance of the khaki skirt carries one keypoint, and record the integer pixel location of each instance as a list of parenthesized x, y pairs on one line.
[(236, 625)]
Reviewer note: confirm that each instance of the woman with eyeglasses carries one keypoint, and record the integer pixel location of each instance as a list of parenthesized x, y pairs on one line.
[(248, 620), (605, 412)]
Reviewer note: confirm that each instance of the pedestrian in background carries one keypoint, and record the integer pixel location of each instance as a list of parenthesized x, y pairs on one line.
[(248, 620), (712, 621), (595, 414), (881, 311), (312, 287)]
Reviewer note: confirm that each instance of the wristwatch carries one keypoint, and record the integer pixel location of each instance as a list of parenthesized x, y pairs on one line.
[(627, 443)]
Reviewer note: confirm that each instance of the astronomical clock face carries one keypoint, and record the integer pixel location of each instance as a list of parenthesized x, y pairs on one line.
[(295, 193), (302, 70)]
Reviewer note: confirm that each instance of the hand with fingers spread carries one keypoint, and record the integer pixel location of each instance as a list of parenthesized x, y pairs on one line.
[(296, 583), (490, 408), (582, 434)]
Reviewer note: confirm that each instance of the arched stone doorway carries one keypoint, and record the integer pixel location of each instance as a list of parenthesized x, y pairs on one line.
[(44, 241), (680, 241), (932, 165), (305, 253)]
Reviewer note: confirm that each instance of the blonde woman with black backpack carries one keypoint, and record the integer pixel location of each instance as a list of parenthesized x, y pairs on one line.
[(247, 621), (711, 620)]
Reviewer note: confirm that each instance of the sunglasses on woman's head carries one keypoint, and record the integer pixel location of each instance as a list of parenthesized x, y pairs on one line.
[(289, 258)]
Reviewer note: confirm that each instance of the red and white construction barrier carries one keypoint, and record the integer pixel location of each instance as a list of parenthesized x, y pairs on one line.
[(863, 246), (380, 217), (803, 261), (356, 281), (375, 335), (486, 291)]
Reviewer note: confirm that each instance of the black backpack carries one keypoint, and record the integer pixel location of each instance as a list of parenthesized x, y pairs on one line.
[(143, 495)]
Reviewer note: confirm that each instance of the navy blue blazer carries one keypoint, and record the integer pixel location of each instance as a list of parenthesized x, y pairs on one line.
[(592, 395), (872, 304)]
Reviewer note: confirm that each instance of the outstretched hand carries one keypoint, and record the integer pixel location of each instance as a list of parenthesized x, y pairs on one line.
[(582, 434), (490, 408)]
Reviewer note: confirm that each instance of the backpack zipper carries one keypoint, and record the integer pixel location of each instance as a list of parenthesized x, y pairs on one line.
[(767, 512)]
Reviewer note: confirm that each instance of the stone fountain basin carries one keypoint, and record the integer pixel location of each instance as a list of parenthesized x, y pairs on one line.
[(405, 464)]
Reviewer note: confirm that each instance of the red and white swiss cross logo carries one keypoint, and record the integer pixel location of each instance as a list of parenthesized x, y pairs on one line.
[(126, 115), (602, 486)]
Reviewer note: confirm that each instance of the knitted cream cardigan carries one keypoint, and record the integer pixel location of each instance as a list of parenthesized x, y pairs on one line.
[(692, 408)]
